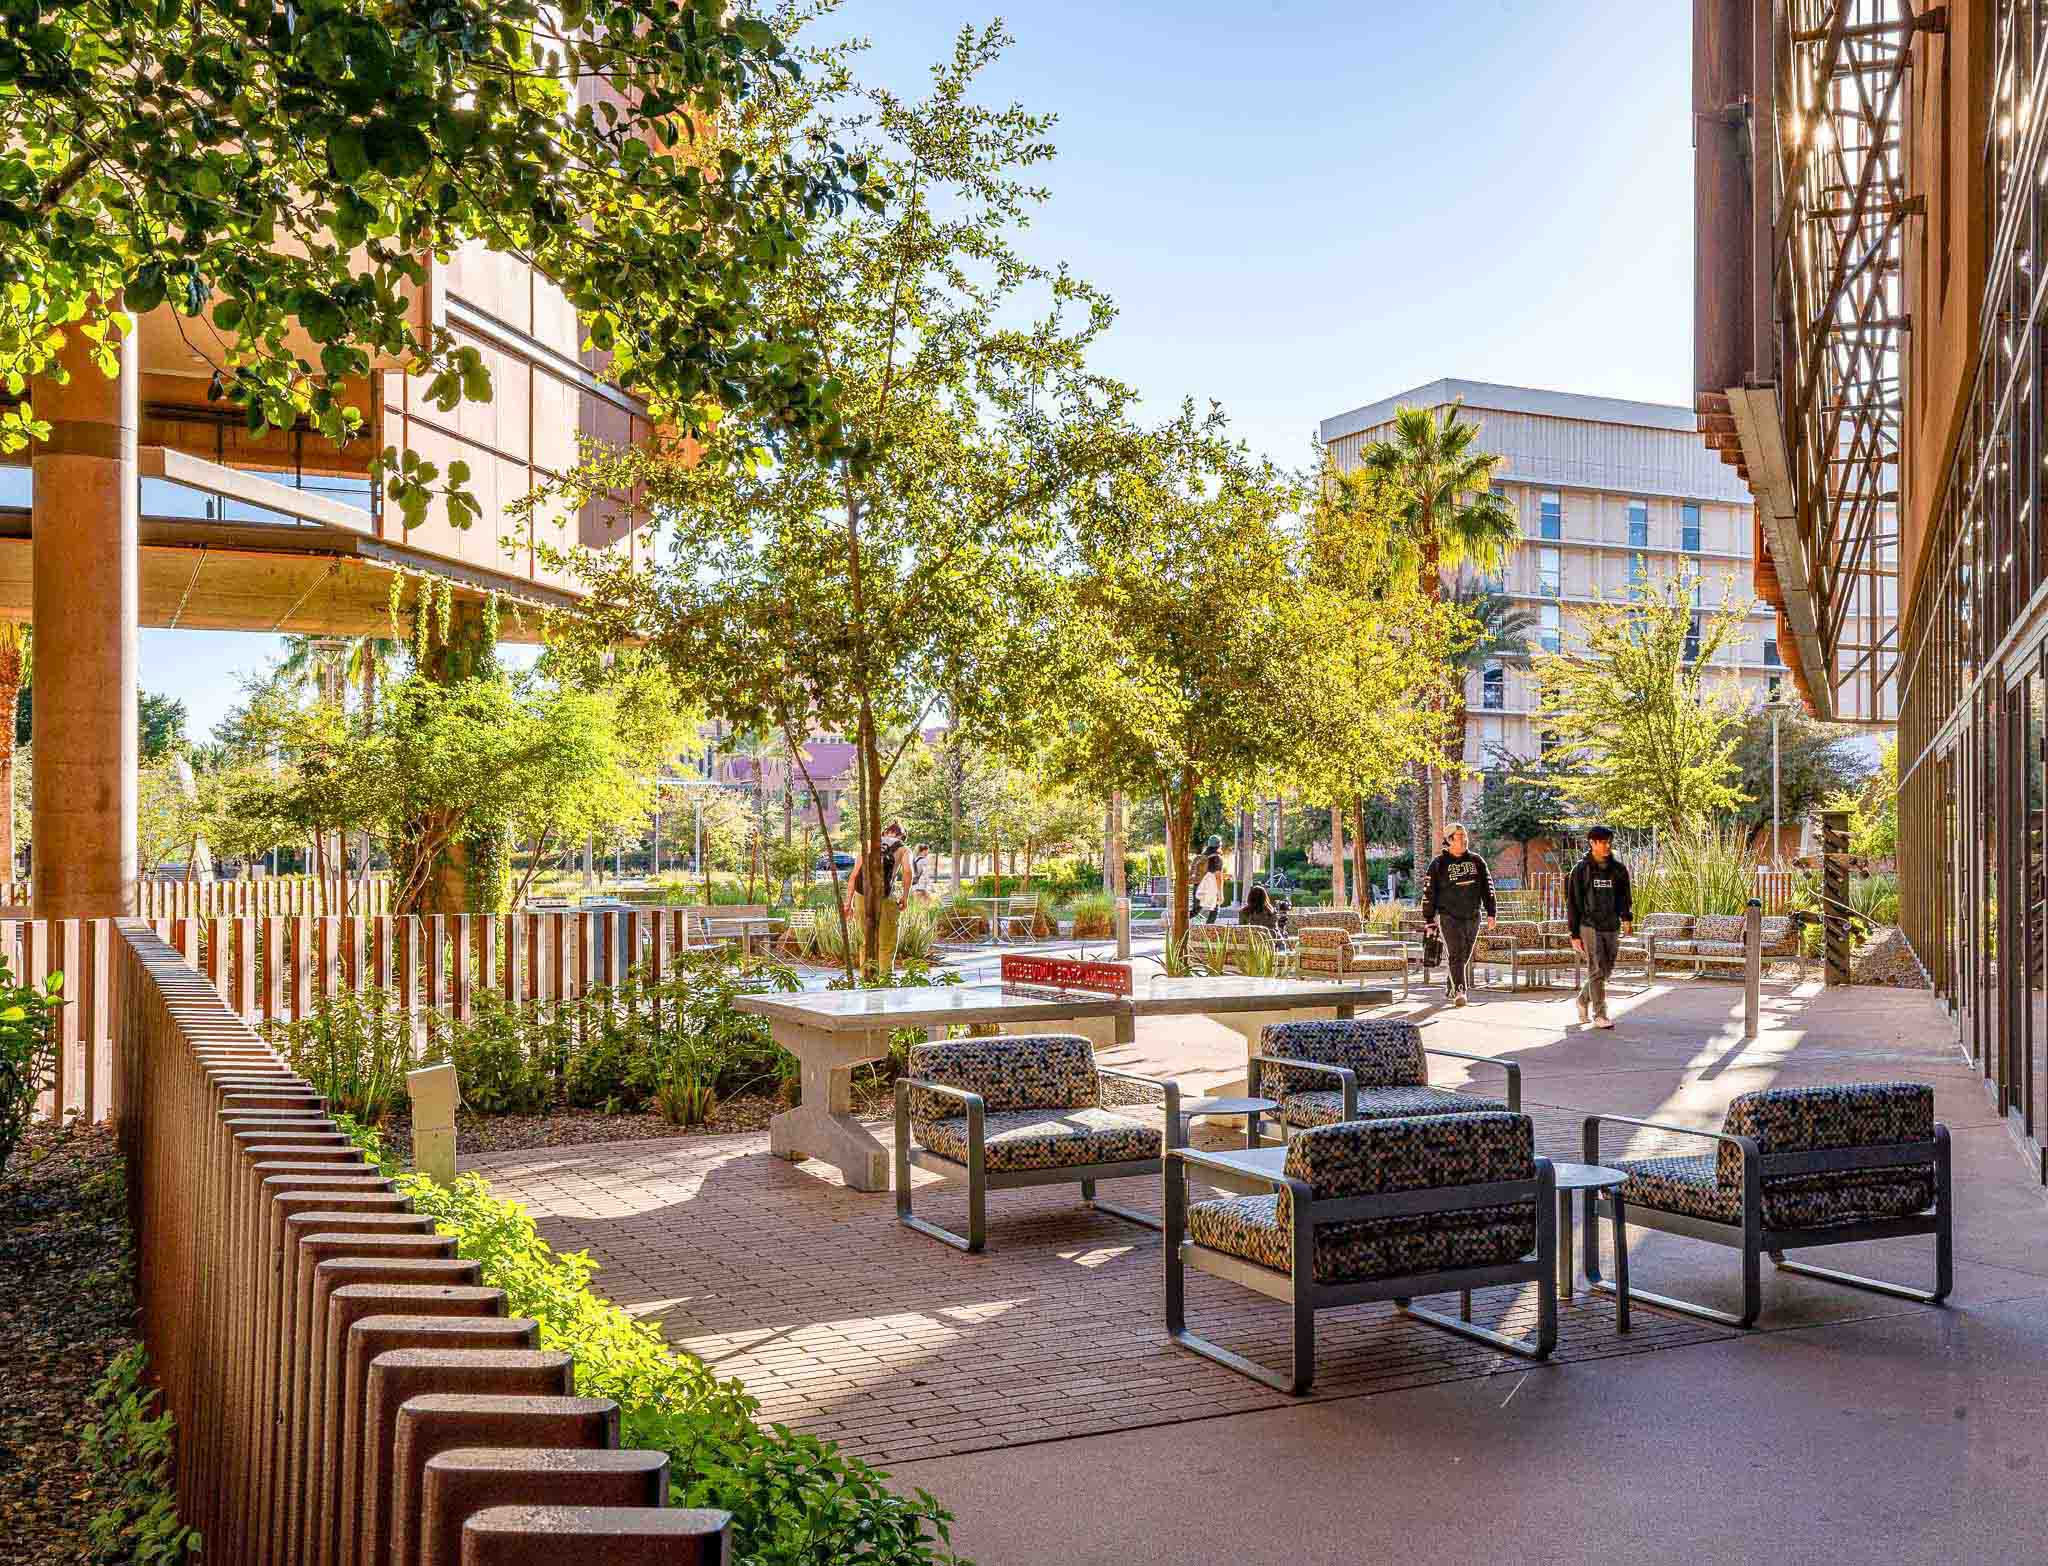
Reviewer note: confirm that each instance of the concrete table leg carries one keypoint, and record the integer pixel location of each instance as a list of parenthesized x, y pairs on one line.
[(822, 1126), (1250, 1024)]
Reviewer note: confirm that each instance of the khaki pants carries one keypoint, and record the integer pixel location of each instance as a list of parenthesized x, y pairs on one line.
[(885, 945), (1601, 947)]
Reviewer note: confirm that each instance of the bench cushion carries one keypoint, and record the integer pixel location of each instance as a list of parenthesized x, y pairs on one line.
[(1016, 1139)]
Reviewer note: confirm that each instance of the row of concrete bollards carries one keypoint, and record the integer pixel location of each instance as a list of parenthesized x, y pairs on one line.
[(347, 1391)]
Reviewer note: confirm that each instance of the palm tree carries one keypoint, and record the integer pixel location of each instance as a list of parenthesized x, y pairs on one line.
[(1451, 517), (1501, 631), (17, 665)]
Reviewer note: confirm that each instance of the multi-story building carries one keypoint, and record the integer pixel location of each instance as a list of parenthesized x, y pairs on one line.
[(1611, 495), (1871, 330)]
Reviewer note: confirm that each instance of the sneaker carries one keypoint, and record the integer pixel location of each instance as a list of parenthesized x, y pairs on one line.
[(1458, 999), (1603, 1022)]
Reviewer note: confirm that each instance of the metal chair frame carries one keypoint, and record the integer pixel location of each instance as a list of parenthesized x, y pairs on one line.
[(1347, 1083), (1298, 1289), (1754, 1240), (980, 1180)]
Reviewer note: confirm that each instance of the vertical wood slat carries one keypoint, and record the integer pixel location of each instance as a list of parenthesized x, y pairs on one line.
[(327, 960), (404, 960), (558, 984), (458, 989), (88, 998), (437, 956), (271, 958), (484, 932), (244, 952)]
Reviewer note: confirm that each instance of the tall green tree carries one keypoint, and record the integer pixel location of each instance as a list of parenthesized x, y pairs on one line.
[(1210, 646), (1815, 760), (821, 596), (1451, 518), (1639, 716), (277, 174)]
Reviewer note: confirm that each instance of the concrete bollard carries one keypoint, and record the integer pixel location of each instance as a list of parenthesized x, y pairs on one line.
[(1123, 929), (433, 1094)]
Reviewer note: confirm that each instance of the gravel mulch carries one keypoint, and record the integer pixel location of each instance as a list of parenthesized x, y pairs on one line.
[(66, 1310), (566, 1127)]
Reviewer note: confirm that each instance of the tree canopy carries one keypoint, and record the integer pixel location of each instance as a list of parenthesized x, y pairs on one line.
[(278, 174), (1815, 760), (1637, 714)]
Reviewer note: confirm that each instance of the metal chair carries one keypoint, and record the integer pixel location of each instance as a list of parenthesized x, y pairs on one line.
[(1377, 1210), (1792, 1169), (1361, 1068), (1028, 1109)]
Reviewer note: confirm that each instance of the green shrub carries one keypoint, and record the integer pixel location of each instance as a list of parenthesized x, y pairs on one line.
[(1094, 917), (508, 1059), (795, 1499), (132, 1452), (28, 1052), (356, 1048)]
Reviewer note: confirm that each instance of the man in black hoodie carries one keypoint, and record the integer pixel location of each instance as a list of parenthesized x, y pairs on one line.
[(1598, 907), (1455, 890)]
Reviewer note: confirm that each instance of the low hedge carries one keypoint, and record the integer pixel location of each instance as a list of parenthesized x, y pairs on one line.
[(795, 1499)]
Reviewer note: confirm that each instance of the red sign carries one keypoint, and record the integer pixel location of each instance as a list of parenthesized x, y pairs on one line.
[(1064, 973)]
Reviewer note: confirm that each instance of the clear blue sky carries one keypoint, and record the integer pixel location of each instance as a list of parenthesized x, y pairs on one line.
[(1302, 207)]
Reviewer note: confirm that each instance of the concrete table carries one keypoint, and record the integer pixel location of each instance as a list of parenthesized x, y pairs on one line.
[(832, 1031)]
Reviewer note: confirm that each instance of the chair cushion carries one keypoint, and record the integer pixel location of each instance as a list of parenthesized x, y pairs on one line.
[(1383, 1051), (1718, 927), (1848, 1114), (1348, 920), (1022, 1071), (1690, 1186), (1717, 950), (1374, 1157), (1249, 1227), (1545, 957), (1675, 925), (1017, 1139), (1679, 1185), (1327, 1109)]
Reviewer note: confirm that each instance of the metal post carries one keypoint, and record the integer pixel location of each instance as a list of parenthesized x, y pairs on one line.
[(1123, 929), (1752, 965), (1776, 859)]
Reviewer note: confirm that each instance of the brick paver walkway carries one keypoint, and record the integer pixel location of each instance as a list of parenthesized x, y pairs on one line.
[(846, 1325)]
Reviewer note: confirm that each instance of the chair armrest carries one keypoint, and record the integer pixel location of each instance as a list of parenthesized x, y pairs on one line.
[(1202, 1160), (1513, 1070), (1347, 1079), (976, 1109), (1747, 1144)]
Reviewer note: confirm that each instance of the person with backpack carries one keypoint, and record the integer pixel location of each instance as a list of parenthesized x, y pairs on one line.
[(896, 877), (1598, 909), (1456, 891)]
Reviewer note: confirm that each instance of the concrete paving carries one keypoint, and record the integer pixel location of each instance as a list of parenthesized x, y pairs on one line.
[(1031, 1387)]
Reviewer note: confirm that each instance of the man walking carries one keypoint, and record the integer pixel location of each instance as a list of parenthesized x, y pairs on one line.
[(1598, 907), (1455, 891)]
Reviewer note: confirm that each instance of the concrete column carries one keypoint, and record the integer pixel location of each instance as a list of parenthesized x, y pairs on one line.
[(85, 586)]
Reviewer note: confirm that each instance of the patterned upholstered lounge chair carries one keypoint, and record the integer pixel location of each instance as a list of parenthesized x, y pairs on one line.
[(1378, 1210), (1360, 1069), (1325, 952), (1792, 1168), (1028, 1109)]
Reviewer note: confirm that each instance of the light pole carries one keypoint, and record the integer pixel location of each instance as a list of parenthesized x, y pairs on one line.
[(1777, 709)]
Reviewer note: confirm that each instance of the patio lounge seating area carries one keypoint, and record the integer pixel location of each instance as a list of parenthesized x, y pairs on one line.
[(1045, 1365)]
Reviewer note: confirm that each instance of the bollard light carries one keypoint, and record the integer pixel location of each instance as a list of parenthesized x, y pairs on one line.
[(432, 1090)]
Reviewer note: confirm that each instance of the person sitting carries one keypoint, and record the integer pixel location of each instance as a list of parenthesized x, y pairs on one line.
[(1258, 910)]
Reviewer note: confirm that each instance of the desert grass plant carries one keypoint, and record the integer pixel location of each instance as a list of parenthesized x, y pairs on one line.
[(1699, 869), (795, 1500), (1094, 917), (28, 1052), (355, 1047)]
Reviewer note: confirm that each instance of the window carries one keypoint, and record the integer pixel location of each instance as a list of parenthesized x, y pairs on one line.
[(1549, 573), (1638, 574), (1771, 688), (1689, 527), (1550, 515), (1547, 627), (1771, 653), (1639, 524), (1493, 688), (1692, 641)]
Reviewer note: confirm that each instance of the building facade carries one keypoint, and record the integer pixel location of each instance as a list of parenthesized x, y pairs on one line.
[(1610, 494), (1871, 321)]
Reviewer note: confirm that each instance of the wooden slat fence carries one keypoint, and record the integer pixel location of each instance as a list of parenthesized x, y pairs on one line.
[(278, 968), (261, 896), (1774, 887)]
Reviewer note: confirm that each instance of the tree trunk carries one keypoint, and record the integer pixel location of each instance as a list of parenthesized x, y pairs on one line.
[(1179, 810), (1419, 840), (953, 813), (1337, 897), (1361, 894), (1116, 831)]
